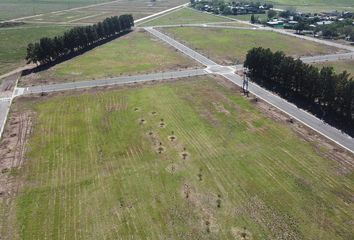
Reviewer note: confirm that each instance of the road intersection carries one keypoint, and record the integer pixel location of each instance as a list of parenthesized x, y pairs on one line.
[(211, 67)]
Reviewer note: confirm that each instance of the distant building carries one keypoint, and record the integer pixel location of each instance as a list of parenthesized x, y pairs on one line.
[(276, 24)]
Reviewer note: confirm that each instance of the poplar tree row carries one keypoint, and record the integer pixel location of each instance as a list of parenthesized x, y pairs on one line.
[(48, 50), (294, 79)]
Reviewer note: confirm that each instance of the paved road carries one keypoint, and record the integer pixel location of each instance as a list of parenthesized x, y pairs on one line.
[(206, 25), (325, 42), (297, 113), (186, 50), (330, 57), (289, 108), (159, 13), (111, 81), (5, 104)]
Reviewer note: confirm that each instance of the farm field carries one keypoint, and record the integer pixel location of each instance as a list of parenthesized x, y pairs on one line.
[(63, 17), (10, 9), (14, 41), (134, 53), (230, 46), (184, 16), (339, 66), (138, 8), (155, 162)]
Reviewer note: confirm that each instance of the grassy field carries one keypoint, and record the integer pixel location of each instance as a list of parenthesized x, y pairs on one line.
[(340, 66), (247, 17), (10, 9), (71, 16), (315, 5), (227, 46), (14, 41), (92, 14), (94, 170), (135, 53), (185, 16)]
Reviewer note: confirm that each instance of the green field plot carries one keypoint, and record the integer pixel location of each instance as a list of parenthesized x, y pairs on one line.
[(135, 53), (138, 8), (70, 16), (314, 5), (232, 24), (339, 66), (185, 16), (182, 160), (10, 9), (14, 41), (247, 17), (227, 46)]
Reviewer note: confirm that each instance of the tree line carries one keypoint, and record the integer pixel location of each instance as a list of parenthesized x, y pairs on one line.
[(48, 50), (329, 93)]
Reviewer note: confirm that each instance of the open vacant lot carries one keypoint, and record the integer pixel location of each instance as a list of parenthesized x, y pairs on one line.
[(314, 5), (63, 17), (227, 46), (138, 8), (247, 17), (14, 41), (340, 66), (185, 16), (134, 53), (190, 159), (10, 9)]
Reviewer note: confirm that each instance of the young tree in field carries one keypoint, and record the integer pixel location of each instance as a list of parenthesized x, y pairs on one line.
[(253, 20)]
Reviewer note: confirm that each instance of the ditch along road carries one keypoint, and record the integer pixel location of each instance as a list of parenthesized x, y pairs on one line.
[(302, 116)]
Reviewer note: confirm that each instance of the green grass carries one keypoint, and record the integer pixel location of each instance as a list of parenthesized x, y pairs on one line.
[(185, 16), (71, 16), (315, 5), (227, 46), (14, 41), (247, 17), (10, 9), (135, 53), (339, 66), (93, 171)]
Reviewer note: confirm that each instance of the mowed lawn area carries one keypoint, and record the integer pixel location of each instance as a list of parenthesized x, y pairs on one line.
[(185, 16), (190, 159), (14, 41), (339, 66), (135, 53), (230, 46)]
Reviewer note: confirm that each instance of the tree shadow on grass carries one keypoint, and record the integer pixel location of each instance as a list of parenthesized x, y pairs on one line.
[(46, 66)]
